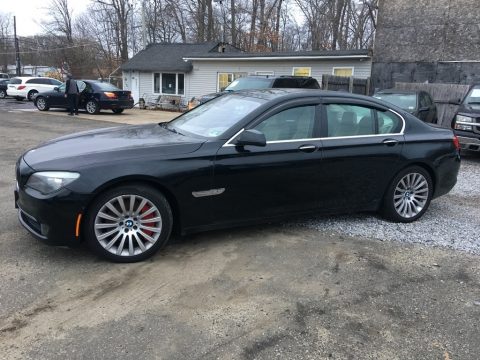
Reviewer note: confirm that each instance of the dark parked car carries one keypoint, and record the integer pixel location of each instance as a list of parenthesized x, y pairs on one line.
[(262, 82), (94, 96), (242, 158), (418, 103), (467, 120), (3, 88)]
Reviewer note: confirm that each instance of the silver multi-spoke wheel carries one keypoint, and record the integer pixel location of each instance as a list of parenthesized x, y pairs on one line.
[(91, 107), (128, 225), (41, 104), (411, 195)]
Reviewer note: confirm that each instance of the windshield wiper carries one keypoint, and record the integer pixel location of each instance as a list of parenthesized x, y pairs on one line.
[(165, 126)]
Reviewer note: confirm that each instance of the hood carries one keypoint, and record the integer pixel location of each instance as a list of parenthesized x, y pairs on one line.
[(95, 146), (473, 109)]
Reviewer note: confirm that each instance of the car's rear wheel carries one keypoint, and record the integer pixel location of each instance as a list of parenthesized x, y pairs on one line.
[(3, 94), (92, 107), (18, 98), (31, 94), (41, 103), (117, 111), (129, 223), (409, 195)]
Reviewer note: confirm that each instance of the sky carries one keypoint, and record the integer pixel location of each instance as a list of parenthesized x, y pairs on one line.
[(30, 13)]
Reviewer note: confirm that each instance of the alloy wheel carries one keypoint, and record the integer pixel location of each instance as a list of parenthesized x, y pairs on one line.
[(91, 107), (411, 195), (128, 225), (41, 104)]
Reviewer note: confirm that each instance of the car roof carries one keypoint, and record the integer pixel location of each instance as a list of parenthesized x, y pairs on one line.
[(293, 93), (399, 91)]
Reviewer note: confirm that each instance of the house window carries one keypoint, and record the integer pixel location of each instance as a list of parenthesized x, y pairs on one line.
[(169, 83), (342, 71), (302, 71), (224, 79)]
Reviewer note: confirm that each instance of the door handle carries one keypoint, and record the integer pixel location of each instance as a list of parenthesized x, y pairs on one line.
[(390, 142), (307, 148)]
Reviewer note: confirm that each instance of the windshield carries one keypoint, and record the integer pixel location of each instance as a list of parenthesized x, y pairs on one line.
[(215, 117), (405, 101), (249, 83), (473, 97)]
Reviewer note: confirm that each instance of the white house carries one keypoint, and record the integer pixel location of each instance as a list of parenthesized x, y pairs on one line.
[(191, 70)]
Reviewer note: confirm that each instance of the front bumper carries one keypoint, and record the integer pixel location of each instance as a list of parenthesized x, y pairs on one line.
[(469, 143), (52, 219)]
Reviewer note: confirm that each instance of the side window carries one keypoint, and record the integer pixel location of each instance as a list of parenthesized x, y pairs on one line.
[(81, 85), (32, 81), (290, 124), (349, 120), (423, 100), (54, 82), (388, 123)]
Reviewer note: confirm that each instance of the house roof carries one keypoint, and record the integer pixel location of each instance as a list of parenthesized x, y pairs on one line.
[(168, 57), (284, 55)]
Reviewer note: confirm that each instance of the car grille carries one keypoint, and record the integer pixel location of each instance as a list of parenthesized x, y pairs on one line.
[(476, 129)]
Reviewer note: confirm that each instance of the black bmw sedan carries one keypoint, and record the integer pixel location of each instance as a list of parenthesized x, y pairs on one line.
[(94, 96), (239, 159)]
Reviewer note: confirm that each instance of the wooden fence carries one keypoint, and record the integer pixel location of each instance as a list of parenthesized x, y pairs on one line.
[(348, 84), (445, 96)]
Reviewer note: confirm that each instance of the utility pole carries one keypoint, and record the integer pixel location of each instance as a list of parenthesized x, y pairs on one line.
[(144, 27), (17, 51)]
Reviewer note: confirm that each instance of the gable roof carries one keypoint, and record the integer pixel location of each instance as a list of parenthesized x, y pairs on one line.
[(169, 56)]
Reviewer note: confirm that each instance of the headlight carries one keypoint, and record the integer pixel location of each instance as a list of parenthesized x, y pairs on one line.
[(47, 182), (460, 121)]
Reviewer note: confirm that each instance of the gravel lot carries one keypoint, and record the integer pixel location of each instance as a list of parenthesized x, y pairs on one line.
[(452, 221), (260, 292)]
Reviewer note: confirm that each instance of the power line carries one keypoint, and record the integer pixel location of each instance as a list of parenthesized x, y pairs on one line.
[(47, 50)]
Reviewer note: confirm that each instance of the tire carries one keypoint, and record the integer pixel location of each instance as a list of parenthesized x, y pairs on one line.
[(3, 94), (31, 94), (408, 196), (117, 111), (18, 98), (123, 236), (41, 103), (92, 107)]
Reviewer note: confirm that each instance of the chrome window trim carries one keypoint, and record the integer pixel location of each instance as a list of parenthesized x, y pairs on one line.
[(401, 133)]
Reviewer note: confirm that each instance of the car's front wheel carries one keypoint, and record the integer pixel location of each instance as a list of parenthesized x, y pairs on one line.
[(92, 107), (41, 103), (129, 223), (409, 195), (3, 94), (31, 94)]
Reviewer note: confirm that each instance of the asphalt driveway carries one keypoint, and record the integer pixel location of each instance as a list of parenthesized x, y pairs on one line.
[(264, 292)]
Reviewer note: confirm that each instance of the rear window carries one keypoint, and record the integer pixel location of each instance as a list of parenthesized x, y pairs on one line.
[(249, 83), (105, 86), (405, 101), (15, 81)]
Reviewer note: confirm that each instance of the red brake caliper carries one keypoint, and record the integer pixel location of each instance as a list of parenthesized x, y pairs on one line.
[(149, 216)]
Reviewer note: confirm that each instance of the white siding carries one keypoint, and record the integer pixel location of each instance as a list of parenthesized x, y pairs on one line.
[(203, 78)]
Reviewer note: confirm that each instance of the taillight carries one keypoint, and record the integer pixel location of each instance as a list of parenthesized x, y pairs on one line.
[(21, 87), (110, 95), (456, 143)]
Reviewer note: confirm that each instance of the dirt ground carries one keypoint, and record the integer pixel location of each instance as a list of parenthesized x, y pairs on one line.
[(263, 292)]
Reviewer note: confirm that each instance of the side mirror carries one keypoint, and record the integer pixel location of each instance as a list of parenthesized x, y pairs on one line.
[(423, 109), (251, 137), (55, 88)]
